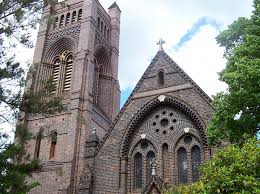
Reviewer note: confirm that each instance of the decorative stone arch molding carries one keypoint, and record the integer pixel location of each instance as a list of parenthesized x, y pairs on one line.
[(161, 101), (58, 47)]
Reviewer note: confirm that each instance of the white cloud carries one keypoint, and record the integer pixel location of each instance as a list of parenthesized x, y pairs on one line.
[(143, 22), (201, 58)]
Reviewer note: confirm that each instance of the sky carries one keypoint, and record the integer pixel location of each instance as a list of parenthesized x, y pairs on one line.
[(189, 28)]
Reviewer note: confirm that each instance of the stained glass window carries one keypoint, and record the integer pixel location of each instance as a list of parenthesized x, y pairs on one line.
[(138, 170), (196, 160), (182, 165), (149, 158)]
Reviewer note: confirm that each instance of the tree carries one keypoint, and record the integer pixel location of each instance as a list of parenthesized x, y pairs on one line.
[(232, 170), (17, 17), (237, 111)]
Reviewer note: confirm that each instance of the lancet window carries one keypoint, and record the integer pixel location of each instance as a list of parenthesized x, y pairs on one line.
[(54, 136), (143, 157), (149, 159), (62, 72), (62, 20), (182, 165), (138, 170), (189, 159), (161, 78), (67, 19), (38, 145), (73, 19), (196, 160), (80, 15)]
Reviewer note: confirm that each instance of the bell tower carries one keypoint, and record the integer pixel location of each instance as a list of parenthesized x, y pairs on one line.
[(79, 48)]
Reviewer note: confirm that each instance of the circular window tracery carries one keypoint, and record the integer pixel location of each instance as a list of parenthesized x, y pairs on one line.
[(188, 139), (167, 121)]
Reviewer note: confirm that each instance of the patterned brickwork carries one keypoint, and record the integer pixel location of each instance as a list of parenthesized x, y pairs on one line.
[(96, 144)]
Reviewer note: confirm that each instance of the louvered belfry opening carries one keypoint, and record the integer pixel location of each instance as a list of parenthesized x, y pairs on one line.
[(62, 72)]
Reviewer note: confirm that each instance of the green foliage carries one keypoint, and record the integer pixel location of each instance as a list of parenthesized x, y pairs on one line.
[(232, 170), (237, 111), (17, 18), (15, 166)]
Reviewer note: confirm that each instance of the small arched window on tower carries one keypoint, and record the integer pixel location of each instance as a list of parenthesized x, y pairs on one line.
[(61, 20), (108, 34), (73, 19), (138, 171), (67, 19), (182, 165), (161, 78), (101, 27), (54, 136), (98, 23), (105, 31), (149, 159), (196, 160), (80, 15), (38, 145), (56, 23)]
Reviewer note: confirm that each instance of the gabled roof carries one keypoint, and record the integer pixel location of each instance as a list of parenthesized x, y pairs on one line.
[(177, 67)]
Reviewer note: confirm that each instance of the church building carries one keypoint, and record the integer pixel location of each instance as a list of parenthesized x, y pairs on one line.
[(156, 140)]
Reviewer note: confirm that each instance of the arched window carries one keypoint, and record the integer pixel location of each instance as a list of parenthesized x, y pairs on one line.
[(73, 19), (196, 160), (108, 34), (165, 160), (61, 20), (105, 31), (161, 78), (38, 145), (67, 19), (138, 170), (53, 144), (98, 23), (79, 14), (67, 81), (56, 23), (101, 27), (56, 72), (182, 165), (62, 72), (149, 159)]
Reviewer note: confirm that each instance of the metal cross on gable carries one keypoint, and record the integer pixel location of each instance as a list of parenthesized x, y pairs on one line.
[(160, 43)]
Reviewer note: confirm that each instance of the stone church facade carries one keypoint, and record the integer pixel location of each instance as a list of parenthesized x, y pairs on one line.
[(158, 137)]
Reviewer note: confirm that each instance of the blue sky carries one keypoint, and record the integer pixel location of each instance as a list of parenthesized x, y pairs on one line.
[(195, 29)]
